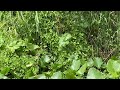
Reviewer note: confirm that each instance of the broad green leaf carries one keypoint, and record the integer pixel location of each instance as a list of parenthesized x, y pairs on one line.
[(82, 70), (15, 45), (42, 76), (57, 75), (31, 77), (12, 46), (90, 63), (75, 65), (116, 66), (47, 59), (55, 66), (70, 74), (94, 74), (35, 47), (64, 40), (5, 70), (31, 46), (111, 69), (21, 43), (3, 77), (98, 62)]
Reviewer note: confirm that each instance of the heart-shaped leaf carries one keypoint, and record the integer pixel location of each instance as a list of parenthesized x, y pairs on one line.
[(113, 67), (98, 62), (94, 74)]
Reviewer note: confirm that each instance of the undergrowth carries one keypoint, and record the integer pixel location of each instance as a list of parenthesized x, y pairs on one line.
[(59, 44)]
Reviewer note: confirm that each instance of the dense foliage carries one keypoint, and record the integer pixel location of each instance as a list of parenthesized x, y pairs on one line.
[(59, 44)]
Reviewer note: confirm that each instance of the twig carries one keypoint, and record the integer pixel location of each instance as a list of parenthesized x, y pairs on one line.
[(111, 52)]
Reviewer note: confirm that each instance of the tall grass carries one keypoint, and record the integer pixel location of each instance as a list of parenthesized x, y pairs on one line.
[(101, 26), (93, 34)]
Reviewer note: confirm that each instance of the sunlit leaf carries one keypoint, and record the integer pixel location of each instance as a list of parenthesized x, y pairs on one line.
[(31, 46), (42, 76), (64, 40), (47, 59), (116, 66), (95, 74), (98, 62), (57, 75), (29, 65), (111, 68), (90, 63), (82, 70), (75, 64), (3, 77)]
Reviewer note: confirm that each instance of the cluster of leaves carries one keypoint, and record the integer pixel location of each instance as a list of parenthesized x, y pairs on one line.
[(58, 44)]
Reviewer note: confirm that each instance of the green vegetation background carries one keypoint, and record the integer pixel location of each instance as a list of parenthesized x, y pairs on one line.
[(59, 44)]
